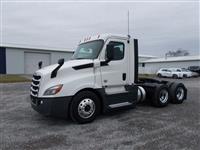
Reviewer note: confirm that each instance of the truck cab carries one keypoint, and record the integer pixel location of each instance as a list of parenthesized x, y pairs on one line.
[(101, 76)]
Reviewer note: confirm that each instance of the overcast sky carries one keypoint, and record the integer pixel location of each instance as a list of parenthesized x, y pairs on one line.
[(160, 27)]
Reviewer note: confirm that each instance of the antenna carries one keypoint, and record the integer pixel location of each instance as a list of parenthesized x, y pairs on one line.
[(128, 25)]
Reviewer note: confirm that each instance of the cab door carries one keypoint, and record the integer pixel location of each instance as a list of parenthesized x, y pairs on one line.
[(114, 73)]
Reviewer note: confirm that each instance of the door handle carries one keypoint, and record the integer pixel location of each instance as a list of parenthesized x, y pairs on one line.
[(124, 76)]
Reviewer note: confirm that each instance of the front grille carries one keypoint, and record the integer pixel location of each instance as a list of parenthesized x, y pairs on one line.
[(34, 101), (35, 85), (35, 82), (37, 77)]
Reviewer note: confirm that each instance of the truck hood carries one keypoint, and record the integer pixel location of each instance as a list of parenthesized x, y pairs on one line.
[(67, 64)]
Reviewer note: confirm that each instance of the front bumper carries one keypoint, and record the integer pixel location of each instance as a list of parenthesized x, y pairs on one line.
[(57, 107)]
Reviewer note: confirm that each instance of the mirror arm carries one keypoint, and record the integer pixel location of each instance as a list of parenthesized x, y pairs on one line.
[(54, 72), (107, 61)]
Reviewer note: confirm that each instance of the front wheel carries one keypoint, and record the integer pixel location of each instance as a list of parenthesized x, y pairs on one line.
[(84, 107), (159, 75), (175, 76)]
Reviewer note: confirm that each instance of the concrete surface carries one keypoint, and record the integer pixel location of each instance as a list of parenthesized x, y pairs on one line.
[(145, 127)]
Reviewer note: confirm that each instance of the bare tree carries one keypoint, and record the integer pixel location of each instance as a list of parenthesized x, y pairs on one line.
[(178, 52)]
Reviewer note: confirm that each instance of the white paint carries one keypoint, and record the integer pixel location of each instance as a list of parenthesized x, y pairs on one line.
[(94, 77), (112, 73)]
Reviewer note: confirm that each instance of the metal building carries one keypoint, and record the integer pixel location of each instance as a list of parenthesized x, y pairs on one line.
[(146, 57), (24, 60), (151, 66)]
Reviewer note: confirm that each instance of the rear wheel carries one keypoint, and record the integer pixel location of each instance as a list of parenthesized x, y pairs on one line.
[(185, 76), (177, 93), (84, 107), (161, 96)]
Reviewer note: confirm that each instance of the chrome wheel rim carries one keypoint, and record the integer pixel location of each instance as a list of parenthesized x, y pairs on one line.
[(164, 95), (86, 108), (180, 93)]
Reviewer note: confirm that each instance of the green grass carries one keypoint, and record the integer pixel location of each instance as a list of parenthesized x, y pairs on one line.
[(147, 75), (12, 79)]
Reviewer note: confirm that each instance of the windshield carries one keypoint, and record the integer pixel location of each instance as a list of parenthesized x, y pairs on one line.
[(89, 50)]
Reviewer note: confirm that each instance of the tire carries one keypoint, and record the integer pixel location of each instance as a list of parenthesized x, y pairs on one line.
[(161, 96), (185, 76), (85, 106), (178, 93), (174, 76), (159, 75)]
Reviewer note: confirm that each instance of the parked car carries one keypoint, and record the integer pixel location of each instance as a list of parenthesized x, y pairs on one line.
[(169, 72), (175, 73), (187, 73), (194, 69)]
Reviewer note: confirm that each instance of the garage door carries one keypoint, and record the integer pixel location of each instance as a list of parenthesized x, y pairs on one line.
[(31, 61)]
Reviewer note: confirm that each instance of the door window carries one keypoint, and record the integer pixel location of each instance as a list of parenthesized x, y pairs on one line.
[(164, 70), (169, 71), (118, 50)]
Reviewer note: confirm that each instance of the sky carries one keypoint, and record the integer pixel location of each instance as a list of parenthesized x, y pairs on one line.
[(159, 26)]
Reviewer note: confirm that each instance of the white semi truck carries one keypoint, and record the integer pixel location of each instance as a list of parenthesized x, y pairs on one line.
[(101, 76)]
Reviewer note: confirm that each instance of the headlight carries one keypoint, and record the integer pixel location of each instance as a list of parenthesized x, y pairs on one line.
[(53, 90)]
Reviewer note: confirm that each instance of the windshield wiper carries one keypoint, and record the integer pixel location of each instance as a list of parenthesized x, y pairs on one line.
[(80, 58)]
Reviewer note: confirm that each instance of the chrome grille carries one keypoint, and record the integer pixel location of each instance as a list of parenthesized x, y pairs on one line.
[(35, 85)]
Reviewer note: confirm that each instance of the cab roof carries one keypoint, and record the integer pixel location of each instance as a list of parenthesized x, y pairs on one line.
[(102, 37)]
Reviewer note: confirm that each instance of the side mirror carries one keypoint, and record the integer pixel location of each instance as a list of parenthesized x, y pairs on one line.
[(61, 61), (40, 64), (54, 72), (109, 52)]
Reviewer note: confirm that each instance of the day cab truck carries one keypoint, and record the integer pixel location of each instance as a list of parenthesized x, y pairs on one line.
[(101, 76)]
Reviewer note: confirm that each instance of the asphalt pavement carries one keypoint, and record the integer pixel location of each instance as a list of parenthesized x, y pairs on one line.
[(176, 126)]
